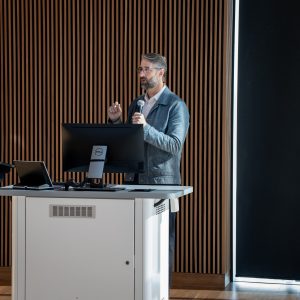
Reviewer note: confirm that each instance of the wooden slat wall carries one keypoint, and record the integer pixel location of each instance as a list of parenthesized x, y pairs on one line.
[(67, 60)]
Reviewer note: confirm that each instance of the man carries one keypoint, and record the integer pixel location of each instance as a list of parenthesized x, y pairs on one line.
[(165, 119)]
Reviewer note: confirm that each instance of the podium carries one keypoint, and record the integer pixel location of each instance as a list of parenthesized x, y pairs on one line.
[(88, 245)]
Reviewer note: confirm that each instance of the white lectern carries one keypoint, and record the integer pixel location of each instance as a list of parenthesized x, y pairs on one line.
[(87, 245)]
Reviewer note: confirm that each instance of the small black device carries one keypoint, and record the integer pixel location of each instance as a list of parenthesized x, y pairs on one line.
[(4, 168)]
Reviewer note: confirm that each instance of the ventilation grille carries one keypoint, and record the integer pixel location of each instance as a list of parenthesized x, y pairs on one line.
[(73, 211), (160, 208)]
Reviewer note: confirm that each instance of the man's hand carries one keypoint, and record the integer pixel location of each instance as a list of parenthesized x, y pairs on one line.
[(114, 112), (138, 118)]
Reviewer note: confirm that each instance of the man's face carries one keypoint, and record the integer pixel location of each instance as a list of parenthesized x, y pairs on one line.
[(150, 74)]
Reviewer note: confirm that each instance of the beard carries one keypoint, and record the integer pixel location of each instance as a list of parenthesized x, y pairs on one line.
[(149, 83)]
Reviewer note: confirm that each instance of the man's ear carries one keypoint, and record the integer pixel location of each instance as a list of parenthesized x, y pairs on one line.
[(162, 72)]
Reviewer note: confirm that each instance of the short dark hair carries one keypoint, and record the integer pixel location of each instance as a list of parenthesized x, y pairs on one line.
[(158, 60)]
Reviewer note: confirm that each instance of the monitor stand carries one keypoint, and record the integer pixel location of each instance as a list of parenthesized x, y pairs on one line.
[(104, 189), (99, 184), (91, 186), (96, 172), (97, 162)]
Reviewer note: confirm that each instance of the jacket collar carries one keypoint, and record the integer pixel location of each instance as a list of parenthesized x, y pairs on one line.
[(162, 100)]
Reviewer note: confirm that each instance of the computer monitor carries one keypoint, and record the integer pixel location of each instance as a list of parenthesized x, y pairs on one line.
[(125, 147)]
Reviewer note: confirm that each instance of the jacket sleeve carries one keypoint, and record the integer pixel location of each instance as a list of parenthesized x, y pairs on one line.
[(173, 138)]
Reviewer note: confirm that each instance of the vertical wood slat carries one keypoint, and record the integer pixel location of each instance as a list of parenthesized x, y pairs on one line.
[(225, 140), (66, 61)]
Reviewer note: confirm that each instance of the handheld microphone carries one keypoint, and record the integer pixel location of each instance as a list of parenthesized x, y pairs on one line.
[(139, 106)]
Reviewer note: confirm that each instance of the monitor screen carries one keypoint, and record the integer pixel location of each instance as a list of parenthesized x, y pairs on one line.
[(125, 146)]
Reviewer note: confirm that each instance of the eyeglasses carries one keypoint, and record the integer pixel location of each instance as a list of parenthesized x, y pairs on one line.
[(146, 70)]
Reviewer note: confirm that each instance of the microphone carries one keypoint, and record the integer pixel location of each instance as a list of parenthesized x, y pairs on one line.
[(139, 106)]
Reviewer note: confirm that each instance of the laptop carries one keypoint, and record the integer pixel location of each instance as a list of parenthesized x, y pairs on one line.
[(33, 175)]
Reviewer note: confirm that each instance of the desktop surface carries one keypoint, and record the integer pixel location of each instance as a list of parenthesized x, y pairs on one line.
[(123, 192)]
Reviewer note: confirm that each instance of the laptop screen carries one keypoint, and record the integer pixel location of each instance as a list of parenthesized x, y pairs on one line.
[(32, 173)]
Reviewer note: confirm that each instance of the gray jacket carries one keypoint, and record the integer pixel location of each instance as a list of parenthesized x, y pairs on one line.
[(164, 135)]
